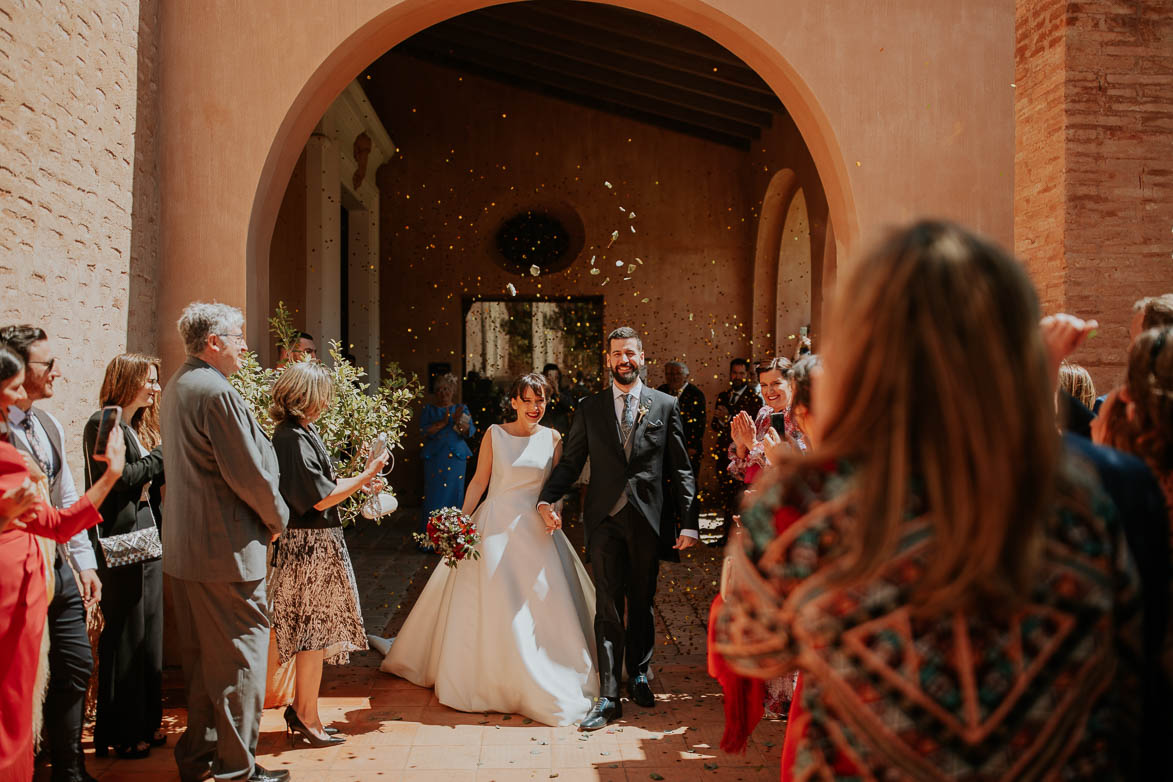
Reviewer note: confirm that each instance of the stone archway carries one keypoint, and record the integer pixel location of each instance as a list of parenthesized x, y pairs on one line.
[(384, 30)]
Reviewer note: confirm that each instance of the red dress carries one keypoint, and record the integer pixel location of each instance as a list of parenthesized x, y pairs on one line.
[(23, 607)]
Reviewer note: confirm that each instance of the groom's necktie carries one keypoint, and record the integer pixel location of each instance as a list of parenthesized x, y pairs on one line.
[(627, 423)]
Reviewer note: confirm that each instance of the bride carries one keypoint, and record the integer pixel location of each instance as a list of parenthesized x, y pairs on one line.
[(513, 631)]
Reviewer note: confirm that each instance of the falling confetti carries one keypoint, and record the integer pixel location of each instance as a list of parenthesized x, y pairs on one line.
[(595, 270), (637, 260), (604, 282), (593, 260), (632, 229), (606, 184), (512, 290), (644, 300), (614, 238), (631, 268), (618, 263), (631, 216), (535, 270), (621, 209)]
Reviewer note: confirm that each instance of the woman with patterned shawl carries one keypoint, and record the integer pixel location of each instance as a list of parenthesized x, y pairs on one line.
[(957, 595)]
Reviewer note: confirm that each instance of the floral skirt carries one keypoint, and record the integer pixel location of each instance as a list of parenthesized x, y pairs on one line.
[(315, 597)]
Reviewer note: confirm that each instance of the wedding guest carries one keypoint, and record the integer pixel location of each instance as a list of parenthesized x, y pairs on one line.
[(692, 410), (446, 425), (28, 528), (36, 432), (916, 538), (302, 348), (1148, 313), (130, 652), (316, 615), (559, 407), (739, 397), (1077, 381), (752, 437), (223, 508), (802, 376)]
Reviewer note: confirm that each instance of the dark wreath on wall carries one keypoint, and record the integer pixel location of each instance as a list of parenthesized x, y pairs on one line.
[(545, 239)]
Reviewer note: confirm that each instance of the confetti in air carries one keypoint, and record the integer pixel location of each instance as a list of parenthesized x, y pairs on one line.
[(631, 216), (618, 263), (606, 184), (512, 290), (595, 270), (593, 260), (535, 270), (604, 282), (614, 238)]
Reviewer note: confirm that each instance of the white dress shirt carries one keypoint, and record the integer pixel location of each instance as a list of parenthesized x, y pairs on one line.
[(79, 549)]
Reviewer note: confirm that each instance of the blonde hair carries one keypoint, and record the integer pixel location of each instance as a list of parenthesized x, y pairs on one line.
[(301, 390), (938, 331), (1077, 381), (126, 374)]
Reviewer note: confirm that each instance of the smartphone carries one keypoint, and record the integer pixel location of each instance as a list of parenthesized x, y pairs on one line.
[(111, 417), (778, 421)]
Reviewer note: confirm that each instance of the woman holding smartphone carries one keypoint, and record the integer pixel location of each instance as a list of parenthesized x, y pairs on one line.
[(130, 652), (28, 527), (315, 610)]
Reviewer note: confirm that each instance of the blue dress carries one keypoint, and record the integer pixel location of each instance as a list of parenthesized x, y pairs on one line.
[(445, 456)]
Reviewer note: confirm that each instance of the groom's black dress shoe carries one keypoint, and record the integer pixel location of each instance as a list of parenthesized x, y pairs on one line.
[(265, 775), (604, 710), (641, 692)]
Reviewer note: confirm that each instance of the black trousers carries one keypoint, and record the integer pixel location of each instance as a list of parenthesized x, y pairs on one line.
[(625, 563), (70, 666), (130, 655)]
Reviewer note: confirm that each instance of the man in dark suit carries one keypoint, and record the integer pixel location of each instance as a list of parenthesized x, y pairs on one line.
[(691, 402), (223, 509), (634, 437), (740, 396)]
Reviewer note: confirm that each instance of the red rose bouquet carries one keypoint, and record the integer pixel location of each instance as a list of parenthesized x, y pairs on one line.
[(452, 534)]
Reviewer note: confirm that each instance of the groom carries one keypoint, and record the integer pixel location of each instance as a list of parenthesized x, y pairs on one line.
[(634, 437)]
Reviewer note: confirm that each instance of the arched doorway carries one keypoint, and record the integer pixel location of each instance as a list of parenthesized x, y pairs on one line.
[(684, 275), (400, 21)]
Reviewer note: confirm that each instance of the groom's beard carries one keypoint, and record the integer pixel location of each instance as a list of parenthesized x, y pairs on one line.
[(625, 378)]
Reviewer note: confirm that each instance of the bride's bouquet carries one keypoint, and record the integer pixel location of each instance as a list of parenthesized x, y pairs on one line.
[(452, 534)]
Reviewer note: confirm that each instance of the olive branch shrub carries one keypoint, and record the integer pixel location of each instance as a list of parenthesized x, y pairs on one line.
[(356, 417)]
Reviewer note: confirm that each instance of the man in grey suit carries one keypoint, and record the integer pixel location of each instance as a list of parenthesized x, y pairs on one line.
[(223, 509)]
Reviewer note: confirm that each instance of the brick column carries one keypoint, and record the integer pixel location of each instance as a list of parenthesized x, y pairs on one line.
[(1094, 161)]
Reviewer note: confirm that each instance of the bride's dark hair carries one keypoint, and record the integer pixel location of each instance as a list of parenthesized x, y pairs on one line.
[(534, 382)]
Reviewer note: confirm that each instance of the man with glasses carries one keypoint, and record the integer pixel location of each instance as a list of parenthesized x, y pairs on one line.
[(223, 508), (40, 435)]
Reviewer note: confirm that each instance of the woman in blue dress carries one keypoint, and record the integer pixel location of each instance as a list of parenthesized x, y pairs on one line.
[(446, 427)]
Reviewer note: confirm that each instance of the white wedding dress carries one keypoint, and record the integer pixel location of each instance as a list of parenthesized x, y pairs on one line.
[(513, 631)]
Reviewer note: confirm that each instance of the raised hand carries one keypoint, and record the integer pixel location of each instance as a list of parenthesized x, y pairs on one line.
[(1062, 335)]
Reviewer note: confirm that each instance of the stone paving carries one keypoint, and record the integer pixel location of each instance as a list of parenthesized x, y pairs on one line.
[(397, 731)]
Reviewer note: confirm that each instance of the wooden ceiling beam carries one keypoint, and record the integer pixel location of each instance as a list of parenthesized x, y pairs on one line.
[(566, 48), (626, 43), (586, 88), (590, 101), (610, 18), (605, 79)]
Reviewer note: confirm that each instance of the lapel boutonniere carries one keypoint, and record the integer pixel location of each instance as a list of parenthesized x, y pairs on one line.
[(644, 408)]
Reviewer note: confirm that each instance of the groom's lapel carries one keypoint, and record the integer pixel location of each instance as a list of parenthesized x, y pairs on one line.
[(642, 413)]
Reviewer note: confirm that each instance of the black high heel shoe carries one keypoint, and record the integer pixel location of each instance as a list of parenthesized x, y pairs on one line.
[(294, 727)]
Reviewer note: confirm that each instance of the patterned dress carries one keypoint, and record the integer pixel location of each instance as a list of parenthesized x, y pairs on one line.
[(1050, 692), (313, 590)]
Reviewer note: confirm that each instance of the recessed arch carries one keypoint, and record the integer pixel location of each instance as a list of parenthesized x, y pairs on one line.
[(371, 38)]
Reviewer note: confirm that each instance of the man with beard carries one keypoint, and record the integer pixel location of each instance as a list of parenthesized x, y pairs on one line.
[(738, 397), (634, 437)]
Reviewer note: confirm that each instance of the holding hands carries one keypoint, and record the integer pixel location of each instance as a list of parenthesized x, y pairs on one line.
[(550, 517)]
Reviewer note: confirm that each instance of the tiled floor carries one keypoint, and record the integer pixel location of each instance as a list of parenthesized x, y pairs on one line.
[(397, 731)]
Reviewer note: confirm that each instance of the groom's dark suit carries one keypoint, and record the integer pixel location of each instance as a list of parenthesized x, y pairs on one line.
[(625, 544)]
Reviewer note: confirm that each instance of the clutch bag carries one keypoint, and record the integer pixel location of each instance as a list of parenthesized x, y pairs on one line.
[(131, 547)]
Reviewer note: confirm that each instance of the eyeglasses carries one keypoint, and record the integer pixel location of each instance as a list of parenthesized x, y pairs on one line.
[(49, 365), (234, 336)]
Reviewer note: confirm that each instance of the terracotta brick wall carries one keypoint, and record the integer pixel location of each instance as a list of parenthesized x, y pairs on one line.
[(1094, 161), (68, 102)]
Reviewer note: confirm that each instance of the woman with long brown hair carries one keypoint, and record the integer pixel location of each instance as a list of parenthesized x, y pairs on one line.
[(956, 595), (130, 651)]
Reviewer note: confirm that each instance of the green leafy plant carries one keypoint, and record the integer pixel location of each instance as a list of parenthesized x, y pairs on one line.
[(358, 415)]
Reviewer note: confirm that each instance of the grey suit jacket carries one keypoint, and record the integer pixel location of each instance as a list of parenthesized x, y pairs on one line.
[(223, 505)]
